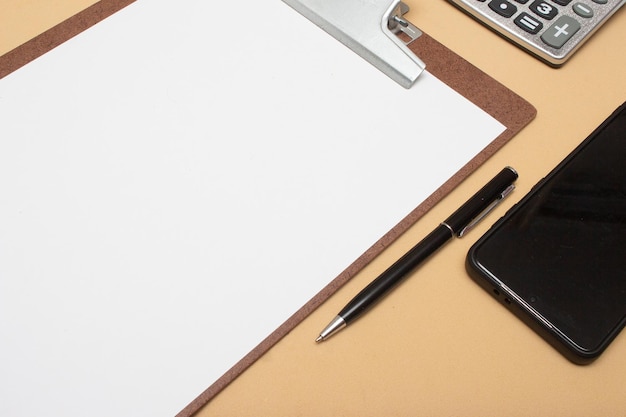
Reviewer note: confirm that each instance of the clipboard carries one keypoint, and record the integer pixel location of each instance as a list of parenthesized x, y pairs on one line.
[(501, 103), (496, 99)]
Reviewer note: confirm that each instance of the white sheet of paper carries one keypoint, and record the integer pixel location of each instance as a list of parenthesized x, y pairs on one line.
[(178, 180)]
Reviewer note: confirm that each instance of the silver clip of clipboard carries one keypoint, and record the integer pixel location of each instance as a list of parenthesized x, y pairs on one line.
[(369, 28)]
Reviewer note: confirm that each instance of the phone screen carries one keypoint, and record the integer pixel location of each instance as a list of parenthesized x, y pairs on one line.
[(560, 254)]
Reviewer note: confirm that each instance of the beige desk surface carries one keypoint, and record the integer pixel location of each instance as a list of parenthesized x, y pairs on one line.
[(439, 345)]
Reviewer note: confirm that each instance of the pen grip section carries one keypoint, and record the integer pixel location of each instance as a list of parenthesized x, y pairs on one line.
[(395, 273)]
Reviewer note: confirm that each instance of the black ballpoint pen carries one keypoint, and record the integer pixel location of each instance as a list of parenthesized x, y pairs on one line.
[(457, 224)]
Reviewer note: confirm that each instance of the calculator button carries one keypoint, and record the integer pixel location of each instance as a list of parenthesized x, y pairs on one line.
[(543, 9), (528, 23), (521, 1), (562, 2), (601, 1), (560, 32), (582, 10), (503, 8)]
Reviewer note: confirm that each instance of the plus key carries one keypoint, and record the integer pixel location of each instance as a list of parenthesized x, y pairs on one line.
[(560, 32)]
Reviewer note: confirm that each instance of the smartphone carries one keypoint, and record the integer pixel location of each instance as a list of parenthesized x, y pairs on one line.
[(557, 259)]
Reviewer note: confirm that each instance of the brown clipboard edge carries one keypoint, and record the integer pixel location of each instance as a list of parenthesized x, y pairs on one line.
[(55, 36), (494, 98)]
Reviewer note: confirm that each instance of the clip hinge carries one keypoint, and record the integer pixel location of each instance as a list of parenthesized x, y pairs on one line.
[(369, 28), (397, 23)]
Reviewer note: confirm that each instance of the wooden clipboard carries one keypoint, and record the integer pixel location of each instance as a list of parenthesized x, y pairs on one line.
[(494, 98)]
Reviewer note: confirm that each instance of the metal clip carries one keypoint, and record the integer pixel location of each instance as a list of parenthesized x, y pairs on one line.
[(487, 210), (369, 28), (398, 24)]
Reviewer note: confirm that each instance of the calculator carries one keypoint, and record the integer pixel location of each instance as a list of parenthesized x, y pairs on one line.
[(552, 30)]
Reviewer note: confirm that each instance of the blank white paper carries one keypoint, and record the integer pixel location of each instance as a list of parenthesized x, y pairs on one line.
[(179, 179)]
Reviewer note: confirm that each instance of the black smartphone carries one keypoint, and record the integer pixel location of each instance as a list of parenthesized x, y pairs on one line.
[(557, 259)]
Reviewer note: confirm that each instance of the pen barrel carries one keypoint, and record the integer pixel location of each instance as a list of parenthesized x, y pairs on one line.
[(395, 273)]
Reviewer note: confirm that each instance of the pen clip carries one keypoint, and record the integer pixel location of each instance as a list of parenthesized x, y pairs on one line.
[(487, 210)]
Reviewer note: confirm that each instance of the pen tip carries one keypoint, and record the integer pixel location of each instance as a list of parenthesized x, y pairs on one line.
[(319, 339)]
